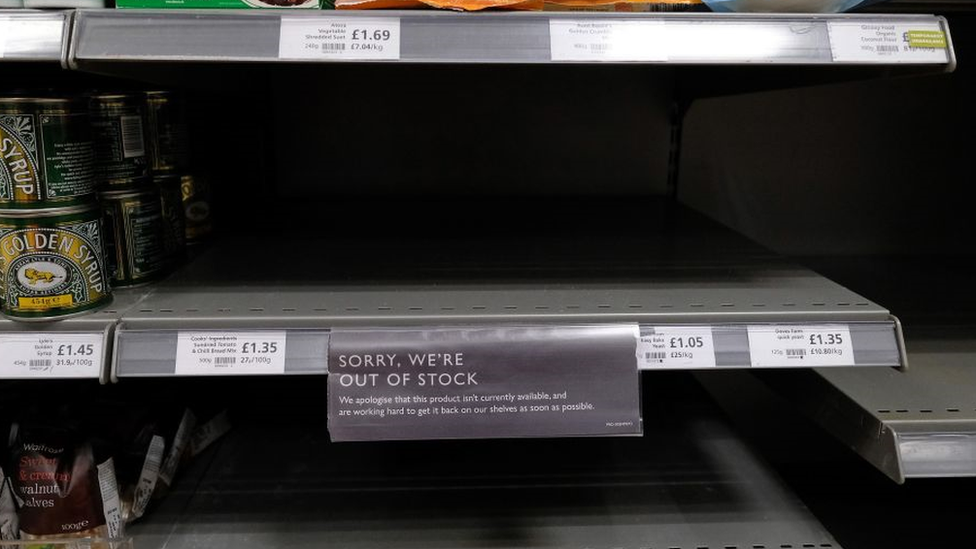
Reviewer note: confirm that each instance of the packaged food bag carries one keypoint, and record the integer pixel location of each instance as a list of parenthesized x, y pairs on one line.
[(786, 6), (459, 5)]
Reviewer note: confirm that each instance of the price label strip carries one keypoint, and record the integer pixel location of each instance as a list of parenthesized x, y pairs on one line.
[(6, 28), (607, 40), (26, 355), (340, 38), (888, 42), (230, 353), (801, 346), (680, 347)]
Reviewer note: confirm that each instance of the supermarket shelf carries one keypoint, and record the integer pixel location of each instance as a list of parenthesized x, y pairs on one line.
[(34, 35), (691, 272), (99, 325), (443, 37), (919, 422), (688, 483)]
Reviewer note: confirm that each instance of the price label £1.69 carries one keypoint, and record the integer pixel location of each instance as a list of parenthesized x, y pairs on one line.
[(331, 38), (51, 355), (230, 353)]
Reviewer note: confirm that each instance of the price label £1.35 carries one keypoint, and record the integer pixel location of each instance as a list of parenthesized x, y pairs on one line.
[(230, 353)]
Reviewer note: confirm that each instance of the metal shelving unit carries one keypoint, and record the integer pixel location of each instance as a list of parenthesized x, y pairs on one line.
[(444, 37), (919, 422), (703, 488), (34, 35)]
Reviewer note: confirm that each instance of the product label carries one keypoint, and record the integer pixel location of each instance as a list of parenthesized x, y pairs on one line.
[(148, 476), (138, 237), (48, 268), (340, 38), (174, 220), (680, 347), (483, 383), (111, 505), (607, 40), (887, 43), (801, 346), (180, 440), (25, 355), (209, 432), (120, 151), (69, 155), (19, 174), (230, 353)]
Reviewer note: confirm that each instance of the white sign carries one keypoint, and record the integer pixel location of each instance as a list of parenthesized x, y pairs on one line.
[(801, 346), (29, 355), (230, 353), (851, 41), (340, 38), (681, 347), (607, 40)]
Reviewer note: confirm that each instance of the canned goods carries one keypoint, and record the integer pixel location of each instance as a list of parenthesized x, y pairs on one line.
[(134, 235), (119, 138), (46, 153), (174, 223), (196, 207), (168, 142), (52, 262)]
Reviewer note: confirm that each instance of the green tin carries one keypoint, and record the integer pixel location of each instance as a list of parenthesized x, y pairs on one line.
[(174, 218), (135, 235), (166, 131), (52, 262), (46, 153), (119, 135)]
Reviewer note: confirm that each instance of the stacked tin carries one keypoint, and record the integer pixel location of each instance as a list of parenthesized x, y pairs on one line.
[(52, 254)]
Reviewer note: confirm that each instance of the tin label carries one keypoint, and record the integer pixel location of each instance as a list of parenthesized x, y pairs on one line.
[(45, 157), (120, 149), (52, 268), (144, 223)]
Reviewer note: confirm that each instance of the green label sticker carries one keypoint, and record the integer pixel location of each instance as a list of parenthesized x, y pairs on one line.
[(927, 39)]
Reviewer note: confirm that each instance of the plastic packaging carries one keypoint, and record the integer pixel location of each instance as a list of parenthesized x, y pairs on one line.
[(785, 6)]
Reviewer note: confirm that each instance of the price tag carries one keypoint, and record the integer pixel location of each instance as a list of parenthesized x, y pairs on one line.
[(801, 346), (340, 38), (681, 347), (50, 355), (607, 40), (230, 353), (887, 42)]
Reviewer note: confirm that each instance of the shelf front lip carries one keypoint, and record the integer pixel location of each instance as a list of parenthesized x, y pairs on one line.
[(315, 361), (51, 30), (532, 28)]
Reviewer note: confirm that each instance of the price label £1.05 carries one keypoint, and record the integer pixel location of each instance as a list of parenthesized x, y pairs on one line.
[(26, 355), (684, 347)]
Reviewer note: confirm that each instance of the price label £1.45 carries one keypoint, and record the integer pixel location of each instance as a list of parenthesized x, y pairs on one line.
[(26, 355)]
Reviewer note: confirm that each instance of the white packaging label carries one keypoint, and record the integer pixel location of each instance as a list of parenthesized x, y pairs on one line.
[(29, 355), (340, 38), (801, 346), (187, 424), (230, 353), (886, 42), (148, 476), (607, 40), (109, 487), (680, 347)]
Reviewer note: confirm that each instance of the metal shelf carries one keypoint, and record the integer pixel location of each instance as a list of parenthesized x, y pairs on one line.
[(918, 422), (671, 267), (688, 483), (99, 326), (444, 37), (34, 35)]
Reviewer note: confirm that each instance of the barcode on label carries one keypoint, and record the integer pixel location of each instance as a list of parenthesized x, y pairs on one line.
[(333, 46), (39, 363), (888, 49), (659, 355), (796, 352), (225, 360), (133, 144), (599, 47)]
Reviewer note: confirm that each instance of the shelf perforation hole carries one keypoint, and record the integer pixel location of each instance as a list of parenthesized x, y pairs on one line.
[(415, 308), (448, 308), (193, 310), (861, 304), (635, 306), (884, 411), (726, 305), (731, 547), (701, 547), (352, 309), (809, 545), (145, 310), (758, 546), (288, 309), (256, 309), (224, 310), (665, 306), (901, 411), (758, 304), (320, 309), (572, 307), (166, 310), (789, 304), (818, 304), (826, 544), (603, 306), (925, 411), (786, 546), (478, 307), (511, 308), (697, 305), (843, 304), (541, 307), (952, 410)]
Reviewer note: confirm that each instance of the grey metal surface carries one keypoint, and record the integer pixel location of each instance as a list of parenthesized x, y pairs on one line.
[(688, 483), (444, 37), (919, 422), (34, 35), (102, 322)]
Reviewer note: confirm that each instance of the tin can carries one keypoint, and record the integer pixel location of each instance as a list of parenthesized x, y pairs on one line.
[(52, 262), (174, 221), (196, 207), (167, 135), (119, 137), (46, 153), (134, 235)]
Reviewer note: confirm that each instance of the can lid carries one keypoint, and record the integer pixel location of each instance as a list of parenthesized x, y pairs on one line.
[(162, 178), (48, 212), (158, 93), (128, 193), (40, 100), (114, 96)]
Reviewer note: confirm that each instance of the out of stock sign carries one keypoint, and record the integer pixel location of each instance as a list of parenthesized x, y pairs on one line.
[(411, 384)]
